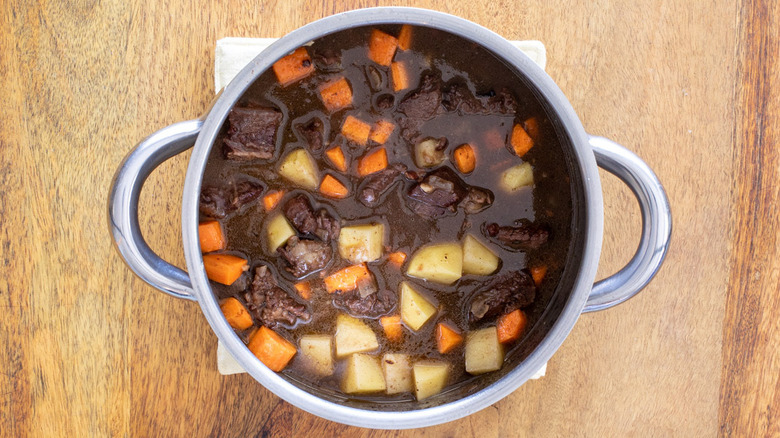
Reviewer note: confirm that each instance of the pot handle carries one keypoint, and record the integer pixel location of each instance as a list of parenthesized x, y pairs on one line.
[(656, 225), (123, 207)]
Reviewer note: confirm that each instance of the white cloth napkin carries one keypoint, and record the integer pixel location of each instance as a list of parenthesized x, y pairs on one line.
[(232, 54)]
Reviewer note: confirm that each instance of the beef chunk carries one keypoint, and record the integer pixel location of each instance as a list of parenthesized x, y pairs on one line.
[(270, 304), (327, 59), (371, 305), (527, 235), (457, 97), (501, 103), (384, 102), (419, 106), (508, 292), (299, 212), (477, 200), (252, 133), (312, 132), (218, 202), (376, 184), (305, 256), (327, 226), (438, 193)]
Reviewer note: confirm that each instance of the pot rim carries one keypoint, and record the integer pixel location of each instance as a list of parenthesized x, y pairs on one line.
[(592, 225)]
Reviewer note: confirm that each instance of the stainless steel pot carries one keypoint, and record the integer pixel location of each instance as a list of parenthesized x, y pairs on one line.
[(575, 295)]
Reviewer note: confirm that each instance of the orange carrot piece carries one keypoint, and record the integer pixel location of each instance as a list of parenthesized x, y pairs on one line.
[(393, 328), (381, 131), (272, 349), (521, 141), (293, 67), (336, 94), (538, 273), (336, 157), (347, 279), (400, 76), (304, 289), (405, 37), (531, 126), (211, 236), (372, 162), (333, 188), (356, 130), (511, 325), (397, 258), (447, 338), (271, 200), (236, 314), (381, 47), (224, 268), (465, 159)]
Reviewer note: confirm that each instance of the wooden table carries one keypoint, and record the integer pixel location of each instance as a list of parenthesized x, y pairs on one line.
[(87, 349)]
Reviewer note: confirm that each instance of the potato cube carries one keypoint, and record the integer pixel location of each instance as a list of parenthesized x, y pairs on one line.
[(362, 243), (398, 372), (478, 259), (430, 377), (363, 374), (517, 177), (278, 230), (317, 353), (299, 167), (440, 263), (353, 336), (415, 309), (483, 351)]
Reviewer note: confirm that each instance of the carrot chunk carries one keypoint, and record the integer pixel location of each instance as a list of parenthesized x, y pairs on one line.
[(293, 67), (356, 130), (400, 76), (393, 328), (511, 325), (538, 273), (211, 236), (336, 94), (333, 188), (224, 268), (521, 141), (347, 279), (236, 314), (465, 159), (336, 157), (397, 258), (531, 126), (381, 47), (271, 200), (304, 289), (272, 349), (381, 131), (447, 338), (405, 37), (372, 162)]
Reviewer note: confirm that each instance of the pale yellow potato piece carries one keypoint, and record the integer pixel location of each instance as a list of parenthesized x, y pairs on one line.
[(483, 351), (398, 373), (299, 167), (278, 230), (440, 263), (362, 374), (430, 377), (415, 309), (517, 177), (317, 353), (353, 336), (478, 259), (362, 243)]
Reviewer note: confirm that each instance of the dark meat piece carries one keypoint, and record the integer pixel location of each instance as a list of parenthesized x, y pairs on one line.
[(508, 292), (218, 202), (438, 193), (312, 132), (502, 103), (252, 133), (327, 59), (527, 235), (305, 256), (372, 305), (376, 184), (477, 200), (270, 304), (384, 101), (458, 97), (300, 213), (419, 106)]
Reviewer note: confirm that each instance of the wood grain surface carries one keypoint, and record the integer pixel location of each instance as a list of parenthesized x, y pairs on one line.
[(87, 349)]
